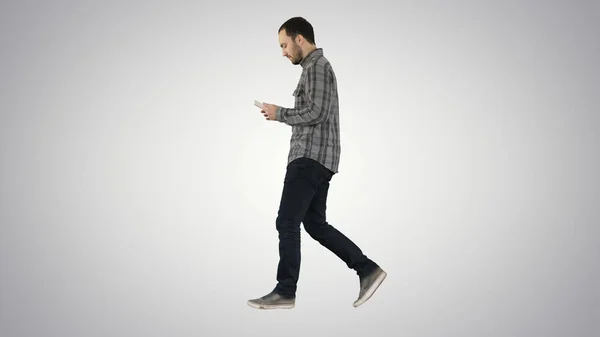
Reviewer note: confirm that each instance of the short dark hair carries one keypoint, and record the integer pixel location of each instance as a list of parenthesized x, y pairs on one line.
[(298, 26)]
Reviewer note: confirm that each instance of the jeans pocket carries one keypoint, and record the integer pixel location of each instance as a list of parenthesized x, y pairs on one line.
[(302, 169)]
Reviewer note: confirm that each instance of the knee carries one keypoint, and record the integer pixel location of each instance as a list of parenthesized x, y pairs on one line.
[(308, 225), (286, 225), (312, 225)]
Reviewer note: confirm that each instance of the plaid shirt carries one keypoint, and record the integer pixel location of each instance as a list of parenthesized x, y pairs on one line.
[(315, 116)]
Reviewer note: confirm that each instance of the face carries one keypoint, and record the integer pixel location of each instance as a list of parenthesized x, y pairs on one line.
[(290, 48)]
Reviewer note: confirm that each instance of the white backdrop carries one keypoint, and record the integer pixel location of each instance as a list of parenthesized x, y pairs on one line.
[(140, 186)]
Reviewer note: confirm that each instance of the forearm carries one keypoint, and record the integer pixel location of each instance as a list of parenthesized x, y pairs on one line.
[(308, 115)]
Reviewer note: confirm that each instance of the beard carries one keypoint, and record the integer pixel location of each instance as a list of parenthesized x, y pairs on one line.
[(297, 57)]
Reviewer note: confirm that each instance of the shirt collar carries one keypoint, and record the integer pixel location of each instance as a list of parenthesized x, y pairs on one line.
[(311, 56)]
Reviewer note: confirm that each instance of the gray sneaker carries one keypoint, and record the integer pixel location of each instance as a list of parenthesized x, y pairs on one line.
[(368, 285), (272, 301)]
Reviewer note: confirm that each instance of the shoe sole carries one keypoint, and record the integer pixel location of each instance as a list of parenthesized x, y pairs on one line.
[(371, 290), (270, 306)]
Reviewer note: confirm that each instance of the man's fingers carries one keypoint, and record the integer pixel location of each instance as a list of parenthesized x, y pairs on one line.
[(264, 111)]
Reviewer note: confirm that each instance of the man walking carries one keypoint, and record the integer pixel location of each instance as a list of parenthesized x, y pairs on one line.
[(313, 160)]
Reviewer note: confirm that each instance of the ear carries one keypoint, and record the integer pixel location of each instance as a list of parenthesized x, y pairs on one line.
[(299, 39)]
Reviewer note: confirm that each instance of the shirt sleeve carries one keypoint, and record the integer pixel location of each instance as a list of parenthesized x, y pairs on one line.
[(318, 99)]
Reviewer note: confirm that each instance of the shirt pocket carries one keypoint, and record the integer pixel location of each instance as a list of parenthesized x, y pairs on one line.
[(299, 97), (299, 90), (300, 87)]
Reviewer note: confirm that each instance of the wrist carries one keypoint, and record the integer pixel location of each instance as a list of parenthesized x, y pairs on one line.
[(279, 114)]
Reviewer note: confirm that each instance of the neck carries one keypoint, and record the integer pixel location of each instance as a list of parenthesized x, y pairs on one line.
[(310, 49)]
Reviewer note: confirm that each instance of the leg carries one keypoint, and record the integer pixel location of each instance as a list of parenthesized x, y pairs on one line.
[(370, 274), (299, 188), (318, 228)]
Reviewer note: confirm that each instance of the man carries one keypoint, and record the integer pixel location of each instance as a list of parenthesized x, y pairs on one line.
[(313, 160)]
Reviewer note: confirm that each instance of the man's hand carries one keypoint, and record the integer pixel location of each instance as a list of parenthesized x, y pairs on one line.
[(268, 111)]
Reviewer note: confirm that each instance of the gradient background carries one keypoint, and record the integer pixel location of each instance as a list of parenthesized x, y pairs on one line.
[(140, 186)]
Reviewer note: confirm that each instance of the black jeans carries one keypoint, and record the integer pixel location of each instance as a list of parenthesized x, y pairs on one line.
[(304, 199)]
